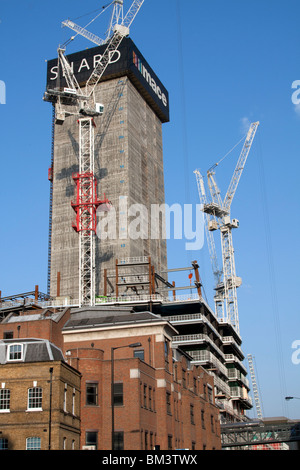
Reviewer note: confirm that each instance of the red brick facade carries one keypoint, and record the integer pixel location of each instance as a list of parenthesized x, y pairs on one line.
[(161, 399)]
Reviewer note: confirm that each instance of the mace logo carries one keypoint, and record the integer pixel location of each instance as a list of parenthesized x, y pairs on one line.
[(2, 92)]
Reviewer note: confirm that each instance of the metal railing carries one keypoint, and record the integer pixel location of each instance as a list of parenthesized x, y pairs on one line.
[(196, 338), (233, 358)]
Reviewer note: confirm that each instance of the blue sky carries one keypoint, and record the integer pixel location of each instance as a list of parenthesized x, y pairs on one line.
[(225, 64)]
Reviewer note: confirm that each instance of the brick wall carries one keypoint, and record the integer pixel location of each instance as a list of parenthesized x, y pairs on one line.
[(21, 423), (158, 405)]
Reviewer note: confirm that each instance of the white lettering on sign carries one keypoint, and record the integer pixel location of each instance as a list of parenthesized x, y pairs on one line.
[(114, 56)]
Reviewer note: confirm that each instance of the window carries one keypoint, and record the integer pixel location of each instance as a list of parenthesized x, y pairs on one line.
[(33, 443), (8, 335), (169, 442), (195, 385), (192, 414), (119, 440), (168, 398), (4, 400), (175, 373), (139, 353), (176, 409), (91, 438), (118, 394), (202, 419), (65, 398), (183, 378), (212, 423), (210, 394), (35, 398), (73, 402), (145, 396), (3, 444), (92, 394), (15, 352), (150, 398), (167, 354)]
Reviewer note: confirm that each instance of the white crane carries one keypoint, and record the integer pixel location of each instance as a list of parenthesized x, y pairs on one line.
[(76, 101), (254, 386), (218, 217), (208, 224)]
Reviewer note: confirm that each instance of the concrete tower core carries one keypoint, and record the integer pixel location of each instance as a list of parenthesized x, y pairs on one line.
[(128, 167)]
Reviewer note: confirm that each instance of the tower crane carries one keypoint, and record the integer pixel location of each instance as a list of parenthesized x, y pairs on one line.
[(78, 102), (218, 218), (254, 386)]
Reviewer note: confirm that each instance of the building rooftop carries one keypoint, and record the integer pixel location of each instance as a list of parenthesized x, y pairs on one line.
[(28, 350), (90, 317), (34, 315)]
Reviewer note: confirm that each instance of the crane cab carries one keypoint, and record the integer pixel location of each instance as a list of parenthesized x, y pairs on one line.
[(99, 108), (212, 225)]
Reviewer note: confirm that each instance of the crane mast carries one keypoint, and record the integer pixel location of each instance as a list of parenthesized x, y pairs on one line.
[(218, 218), (254, 387), (81, 102), (209, 236), (116, 17)]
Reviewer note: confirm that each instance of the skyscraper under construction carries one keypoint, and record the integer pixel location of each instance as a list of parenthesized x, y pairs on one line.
[(128, 169)]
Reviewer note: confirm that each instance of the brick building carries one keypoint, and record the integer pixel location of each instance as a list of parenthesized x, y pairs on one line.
[(160, 398), (35, 323), (39, 397)]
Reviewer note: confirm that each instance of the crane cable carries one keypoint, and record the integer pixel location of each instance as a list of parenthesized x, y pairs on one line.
[(223, 158), (273, 286), (90, 22), (89, 13)]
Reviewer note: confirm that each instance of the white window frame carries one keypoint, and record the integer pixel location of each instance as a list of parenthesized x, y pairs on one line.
[(35, 440), (73, 402), (38, 408), (11, 346), (65, 397), (5, 399)]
